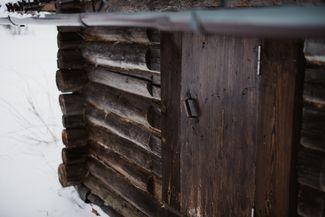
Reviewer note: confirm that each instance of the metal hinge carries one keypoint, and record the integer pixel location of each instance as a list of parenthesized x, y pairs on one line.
[(259, 51), (253, 212)]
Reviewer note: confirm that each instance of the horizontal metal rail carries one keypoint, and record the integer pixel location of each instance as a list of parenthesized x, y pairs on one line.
[(281, 21)]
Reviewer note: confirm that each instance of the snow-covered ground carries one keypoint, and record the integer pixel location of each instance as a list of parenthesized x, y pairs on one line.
[(30, 127)]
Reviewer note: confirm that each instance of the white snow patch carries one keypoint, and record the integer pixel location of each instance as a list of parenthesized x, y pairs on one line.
[(30, 143)]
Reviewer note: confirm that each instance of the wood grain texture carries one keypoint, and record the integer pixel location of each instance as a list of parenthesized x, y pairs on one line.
[(73, 121), (145, 138), (121, 35), (70, 80), (171, 52), (311, 169), (311, 203), (71, 104), (313, 129), (218, 147), (125, 83), (134, 108), (279, 121), (112, 180), (128, 149), (139, 177), (110, 198), (118, 57), (315, 51)]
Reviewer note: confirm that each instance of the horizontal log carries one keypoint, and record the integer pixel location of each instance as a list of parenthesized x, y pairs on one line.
[(69, 40), (136, 133), (315, 51), (107, 209), (71, 80), (75, 137), (311, 169), (70, 59), (150, 5), (124, 83), (121, 35), (311, 203), (110, 198), (141, 200), (73, 121), (128, 106), (313, 129), (71, 104), (137, 176), (71, 174), (150, 76), (119, 57), (125, 148), (69, 28), (314, 92), (74, 155), (315, 75)]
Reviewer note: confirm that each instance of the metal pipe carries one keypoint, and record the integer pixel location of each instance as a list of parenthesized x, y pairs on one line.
[(288, 21)]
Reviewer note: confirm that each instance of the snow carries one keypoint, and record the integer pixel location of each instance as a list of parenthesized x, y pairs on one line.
[(30, 127)]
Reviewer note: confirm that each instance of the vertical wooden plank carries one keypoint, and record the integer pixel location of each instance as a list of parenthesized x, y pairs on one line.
[(171, 52), (218, 147), (278, 126)]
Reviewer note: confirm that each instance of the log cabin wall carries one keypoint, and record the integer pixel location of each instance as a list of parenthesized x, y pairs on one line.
[(311, 157), (121, 157)]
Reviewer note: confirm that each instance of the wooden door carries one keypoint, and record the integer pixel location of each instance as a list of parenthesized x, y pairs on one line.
[(231, 150)]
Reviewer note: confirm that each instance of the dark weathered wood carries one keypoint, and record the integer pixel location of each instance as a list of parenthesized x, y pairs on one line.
[(171, 51), (141, 200), (218, 147), (314, 87), (69, 29), (83, 192), (311, 169), (71, 104), (73, 121), (315, 51), (278, 127), (71, 174), (111, 198), (149, 5), (125, 83), (126, 148), (70, 59), (121, 35), (128, 106), (69, 40), (118, 57), (311, 203), (137, 176), (313, 129), (74, 155), (70, 80), (136, 133), (75, 137)]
